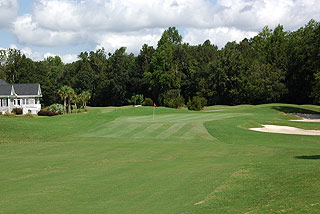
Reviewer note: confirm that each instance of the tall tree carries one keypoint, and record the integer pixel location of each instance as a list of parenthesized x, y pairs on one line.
[(63, 93), (71, 94), (164, 75)]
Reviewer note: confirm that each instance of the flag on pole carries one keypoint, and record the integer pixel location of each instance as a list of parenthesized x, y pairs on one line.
[(153, 110), (154, 105)]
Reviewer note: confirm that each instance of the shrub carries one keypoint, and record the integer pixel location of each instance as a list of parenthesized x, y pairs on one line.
[(174, 102), (8, 114), (197, 103), (173, 99), (57, 108), (0, 113), (17, 111), (148, 102), (47, 113), (29, 115), (136, 99)]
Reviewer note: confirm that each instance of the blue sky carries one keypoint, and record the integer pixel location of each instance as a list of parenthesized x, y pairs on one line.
[(41, 28)]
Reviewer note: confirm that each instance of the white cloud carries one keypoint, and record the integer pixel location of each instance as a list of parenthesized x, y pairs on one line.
[(29, 32), (13, 46), (255, 14), (132, 40), (217, 36), (67, 58), (27, 51), (119, 16), (131, 23), (39, 56), (8, 12)]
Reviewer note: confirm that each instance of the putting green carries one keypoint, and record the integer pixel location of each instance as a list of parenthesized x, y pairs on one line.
[(170, 126)]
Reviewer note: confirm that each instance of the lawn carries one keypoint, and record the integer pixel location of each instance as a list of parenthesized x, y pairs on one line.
[(121, 160)]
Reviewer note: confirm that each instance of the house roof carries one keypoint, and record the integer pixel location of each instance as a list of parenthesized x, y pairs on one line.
[(2, 82), (32, 89), (27, 89), (5, 90)]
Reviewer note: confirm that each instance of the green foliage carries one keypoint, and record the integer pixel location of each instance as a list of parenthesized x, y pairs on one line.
[(84, 97), (265, 84), (17, 111), (147, 102), (173, 99), (29, 115), (136, 99), (273, 66), (47, 113), (174, 102), (8, 114), (197, 103), (67, 92), (57, 108)]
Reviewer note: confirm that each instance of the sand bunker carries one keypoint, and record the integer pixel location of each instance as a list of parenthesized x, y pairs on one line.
[(286, 130), (307, 120), (308, 117)]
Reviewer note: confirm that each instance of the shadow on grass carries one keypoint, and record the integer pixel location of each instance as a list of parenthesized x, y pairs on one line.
[(308, 157), (294, 110)]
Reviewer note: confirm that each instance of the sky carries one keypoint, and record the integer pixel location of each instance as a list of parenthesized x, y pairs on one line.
[(42, 28)]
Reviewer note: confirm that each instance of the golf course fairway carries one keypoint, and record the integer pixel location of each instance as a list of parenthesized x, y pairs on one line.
[(123, 160)]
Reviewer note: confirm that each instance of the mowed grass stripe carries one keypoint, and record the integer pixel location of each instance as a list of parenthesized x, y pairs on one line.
[(167, 133), (148, 130), (162, 128), (183, 130), (194, 117), (120, 130), (102, 130), (141, 128), (198, 131)]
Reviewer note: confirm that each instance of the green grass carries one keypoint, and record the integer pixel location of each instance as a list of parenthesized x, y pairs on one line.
[(120, 160)]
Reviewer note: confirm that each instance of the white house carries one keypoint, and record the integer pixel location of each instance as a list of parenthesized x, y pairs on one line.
[(25, 96)]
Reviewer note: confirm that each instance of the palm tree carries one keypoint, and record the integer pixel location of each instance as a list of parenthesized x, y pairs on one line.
[(71, 94), (76, 99), (85, 97), (64, 95)]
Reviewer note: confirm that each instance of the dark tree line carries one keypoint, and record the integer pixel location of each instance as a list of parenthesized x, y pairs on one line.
[(274, 66)]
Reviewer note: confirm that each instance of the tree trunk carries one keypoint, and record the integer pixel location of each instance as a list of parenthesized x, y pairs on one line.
[(69, 105), (64, 105)]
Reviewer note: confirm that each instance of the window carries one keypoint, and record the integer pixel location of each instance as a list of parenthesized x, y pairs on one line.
[(0, 102), (5, 102), (27, 101), (19, 102)]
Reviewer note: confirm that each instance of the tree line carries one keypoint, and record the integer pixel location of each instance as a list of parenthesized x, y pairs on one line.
[(273, 66)]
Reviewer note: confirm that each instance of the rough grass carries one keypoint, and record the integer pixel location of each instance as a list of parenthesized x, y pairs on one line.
[(120, 160)]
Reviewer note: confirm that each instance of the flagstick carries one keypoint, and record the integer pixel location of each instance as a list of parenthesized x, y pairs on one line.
[(153, 113)]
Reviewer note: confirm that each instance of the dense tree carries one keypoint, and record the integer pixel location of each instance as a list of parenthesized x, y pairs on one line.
[(164, 74), (273, 66)]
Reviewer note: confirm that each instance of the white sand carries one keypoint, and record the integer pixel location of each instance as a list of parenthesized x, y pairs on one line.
[(286, 130), (307, 120)]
